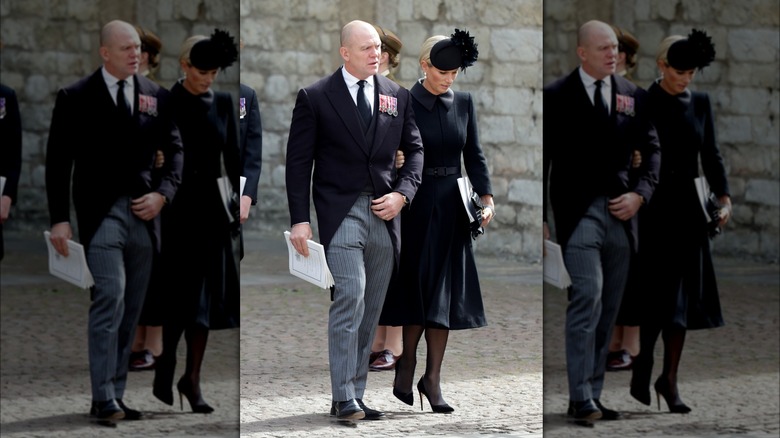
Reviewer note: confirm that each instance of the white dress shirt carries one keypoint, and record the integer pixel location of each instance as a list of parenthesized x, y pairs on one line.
[(112, 84), (352, 86), (590, 86)]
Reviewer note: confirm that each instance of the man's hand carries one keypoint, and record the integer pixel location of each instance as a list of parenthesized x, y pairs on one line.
[(387, 207), (60, 234), (148, 206), (246, 204), (625, 206), (5, 208), (299, 234)]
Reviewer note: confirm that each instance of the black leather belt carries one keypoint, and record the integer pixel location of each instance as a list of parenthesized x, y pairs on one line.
[(441, 171)]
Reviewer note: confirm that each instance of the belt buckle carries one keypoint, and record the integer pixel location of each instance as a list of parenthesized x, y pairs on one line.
[(435, 171)]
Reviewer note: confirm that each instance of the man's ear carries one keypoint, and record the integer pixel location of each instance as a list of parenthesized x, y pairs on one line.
[(581, 53)]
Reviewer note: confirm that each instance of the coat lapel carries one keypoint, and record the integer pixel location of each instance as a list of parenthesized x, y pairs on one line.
[(382, 120), (338, 95)]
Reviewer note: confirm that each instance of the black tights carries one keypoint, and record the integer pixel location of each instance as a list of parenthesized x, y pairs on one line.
[(196, 338), (436, 341), (674, 341)]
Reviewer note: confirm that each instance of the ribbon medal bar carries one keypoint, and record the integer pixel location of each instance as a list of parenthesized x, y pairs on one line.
[(147, 104)]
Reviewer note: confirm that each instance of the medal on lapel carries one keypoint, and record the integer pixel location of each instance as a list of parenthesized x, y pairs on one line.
[(2, 108), (625, 105), (242, 107), (147, 105), (388, 105)]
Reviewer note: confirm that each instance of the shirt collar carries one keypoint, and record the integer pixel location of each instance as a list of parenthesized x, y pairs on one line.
[(589, 80), (352, 81), (111, 80)]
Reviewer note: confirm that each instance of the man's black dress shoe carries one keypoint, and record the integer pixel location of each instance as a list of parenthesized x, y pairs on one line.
[(584, 412), (347, 410), (130, 414), (606, 413), (371, 414), (107, 412)]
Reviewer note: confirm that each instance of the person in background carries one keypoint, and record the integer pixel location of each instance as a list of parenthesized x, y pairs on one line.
[(147, 345), (10, 154), (251, 143), (680, 291), (624, 345), (344, 134), (117, 201), (200, 250), (437, 289), (387, 347)]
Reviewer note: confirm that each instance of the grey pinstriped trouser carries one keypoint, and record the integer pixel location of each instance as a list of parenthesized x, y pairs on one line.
[(120, 259), (360, 257), (597, 258)]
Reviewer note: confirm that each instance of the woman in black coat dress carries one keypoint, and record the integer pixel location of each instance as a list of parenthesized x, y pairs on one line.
[(437, 288), (679, 280), (200, 240)]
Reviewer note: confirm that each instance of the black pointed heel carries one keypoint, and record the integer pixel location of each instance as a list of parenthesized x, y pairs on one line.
[(163, 380), (640, 380), (439, 409), (406, 397), (197, 404), (673, 402)]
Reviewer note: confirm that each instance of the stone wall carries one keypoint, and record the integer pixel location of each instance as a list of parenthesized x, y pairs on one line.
[(743, 83), (49, 44), (291, 43)]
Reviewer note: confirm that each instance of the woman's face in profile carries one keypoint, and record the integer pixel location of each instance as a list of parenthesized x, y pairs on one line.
[(675, 81), (198, 81), (438, 81)]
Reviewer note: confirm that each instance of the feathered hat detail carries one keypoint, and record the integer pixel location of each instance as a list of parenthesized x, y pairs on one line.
[(694, 52), (458, 51), (219, 51)]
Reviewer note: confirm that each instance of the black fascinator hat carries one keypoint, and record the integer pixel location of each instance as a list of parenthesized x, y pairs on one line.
[(219, 51), (696, 51), (458, 51)]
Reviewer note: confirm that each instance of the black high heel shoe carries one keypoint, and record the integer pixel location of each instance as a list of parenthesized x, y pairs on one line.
[(406, 397), (676, 406), (640, 380), (197, 404), (439, 409), (163, 380)]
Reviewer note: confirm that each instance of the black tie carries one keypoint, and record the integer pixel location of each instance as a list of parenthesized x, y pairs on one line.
[(121, 101), (598, 101), (362, 105)]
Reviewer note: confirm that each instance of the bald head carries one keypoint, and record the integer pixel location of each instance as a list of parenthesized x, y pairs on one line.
[(353, 28), (120, 48), (360, 49), (597, 49), (114, 29), (593, 29)]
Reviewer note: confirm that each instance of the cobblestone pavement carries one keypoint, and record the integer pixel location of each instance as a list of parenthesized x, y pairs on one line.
[(491, 376), (44, 375), (729, 376)]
